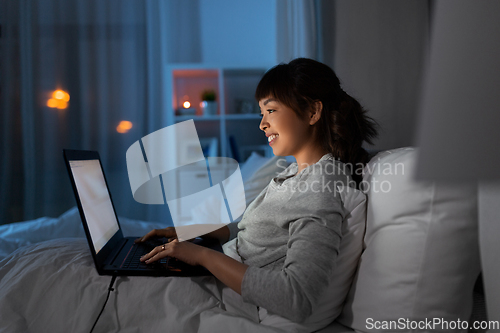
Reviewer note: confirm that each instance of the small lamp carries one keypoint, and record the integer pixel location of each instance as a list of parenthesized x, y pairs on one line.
[(186, 108)]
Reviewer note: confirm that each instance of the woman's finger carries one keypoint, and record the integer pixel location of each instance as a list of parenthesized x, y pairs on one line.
[(156, 257), (170, 232), (156, 233), (184, 251), (149, 254), (156, 254), (151, 234)]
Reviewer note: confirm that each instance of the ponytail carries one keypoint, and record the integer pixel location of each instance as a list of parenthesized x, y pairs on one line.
[(343, 131)]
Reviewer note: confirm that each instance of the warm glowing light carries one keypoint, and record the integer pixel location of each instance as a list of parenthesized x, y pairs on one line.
[(52, 103), (59, 100), (186, 105), (124, 126), (62, 105), (57, 104), (61, 95)]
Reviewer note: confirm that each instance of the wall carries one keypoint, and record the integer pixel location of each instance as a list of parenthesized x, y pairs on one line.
[(380, 52), (238, 32)]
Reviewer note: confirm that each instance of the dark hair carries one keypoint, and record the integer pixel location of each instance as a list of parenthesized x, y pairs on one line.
[(343, 126)]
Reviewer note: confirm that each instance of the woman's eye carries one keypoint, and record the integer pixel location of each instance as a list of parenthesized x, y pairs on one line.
[(269, 111)]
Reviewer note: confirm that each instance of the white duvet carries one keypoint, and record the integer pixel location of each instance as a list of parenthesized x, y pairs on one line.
[(48, 283)]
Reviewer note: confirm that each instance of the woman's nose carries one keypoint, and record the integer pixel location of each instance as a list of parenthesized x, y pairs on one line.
[(263, 124)]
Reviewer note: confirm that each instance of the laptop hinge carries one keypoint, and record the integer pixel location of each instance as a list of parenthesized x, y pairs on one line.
[(116, 251)]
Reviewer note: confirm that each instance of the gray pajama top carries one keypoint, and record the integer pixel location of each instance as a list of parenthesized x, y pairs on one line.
[(290, 237)]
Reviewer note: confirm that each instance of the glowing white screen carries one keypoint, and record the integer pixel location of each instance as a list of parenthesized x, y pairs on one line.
[(95, 200)]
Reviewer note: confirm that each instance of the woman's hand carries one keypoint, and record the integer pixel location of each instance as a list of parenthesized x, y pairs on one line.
[(226, 269), (187, 252), (158, 233)]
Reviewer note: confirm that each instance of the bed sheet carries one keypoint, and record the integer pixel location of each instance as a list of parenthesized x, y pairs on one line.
[(16, 235), (48, 283), (53, 286)]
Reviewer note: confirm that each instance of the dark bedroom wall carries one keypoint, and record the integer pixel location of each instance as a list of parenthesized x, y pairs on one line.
[(380, 50)]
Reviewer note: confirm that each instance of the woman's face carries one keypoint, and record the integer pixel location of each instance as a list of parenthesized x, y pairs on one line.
[(287, 133)]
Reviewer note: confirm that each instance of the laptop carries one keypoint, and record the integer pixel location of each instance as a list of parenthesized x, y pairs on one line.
[(113, 253)]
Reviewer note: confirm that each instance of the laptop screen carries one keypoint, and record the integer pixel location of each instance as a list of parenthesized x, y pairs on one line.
[(95, 200)]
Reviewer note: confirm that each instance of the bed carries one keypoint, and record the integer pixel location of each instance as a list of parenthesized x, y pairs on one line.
[(418, 260)]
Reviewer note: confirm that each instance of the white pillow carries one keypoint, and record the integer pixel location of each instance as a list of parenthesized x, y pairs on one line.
[(422, 255), (258, 171), (252, 164)]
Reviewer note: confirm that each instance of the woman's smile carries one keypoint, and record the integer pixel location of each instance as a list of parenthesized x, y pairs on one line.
[(272, 138)]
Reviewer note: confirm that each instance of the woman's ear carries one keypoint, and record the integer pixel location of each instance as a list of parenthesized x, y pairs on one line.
[(315, 114)]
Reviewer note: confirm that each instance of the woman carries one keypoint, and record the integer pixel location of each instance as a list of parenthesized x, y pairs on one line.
[(289, 236)]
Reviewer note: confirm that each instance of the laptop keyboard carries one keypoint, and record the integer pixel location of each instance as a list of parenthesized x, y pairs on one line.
[(138, 250)]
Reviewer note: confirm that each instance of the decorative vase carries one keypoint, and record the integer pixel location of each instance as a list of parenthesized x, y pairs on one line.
[(209, 108)]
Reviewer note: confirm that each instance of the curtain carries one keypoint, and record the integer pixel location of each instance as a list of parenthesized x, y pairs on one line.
[(108, 56), (305, 28), (296, 29), (380, 53)]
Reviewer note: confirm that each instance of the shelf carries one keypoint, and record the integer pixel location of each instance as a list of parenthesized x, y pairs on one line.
[(242, 116), (197, 118), (238, 114), (219, 117)]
